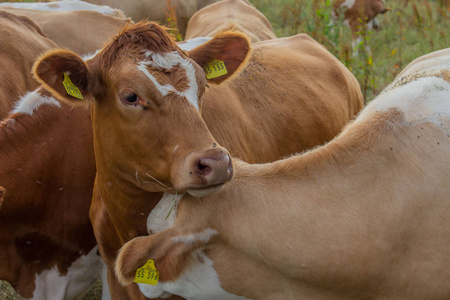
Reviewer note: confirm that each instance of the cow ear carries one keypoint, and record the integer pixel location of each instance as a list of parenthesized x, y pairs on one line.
[(65, 75), (170, 256), (223, 56)]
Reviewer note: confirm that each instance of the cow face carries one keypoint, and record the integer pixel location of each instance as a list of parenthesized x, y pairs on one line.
[(145, 96)]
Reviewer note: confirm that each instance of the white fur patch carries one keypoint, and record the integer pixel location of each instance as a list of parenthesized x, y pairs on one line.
[(420, 99), (199, 281), (348, 3), (160, 219), (64, 5), (203, 236), (81, 275), (193, 43), (31, 101), (168, 61)]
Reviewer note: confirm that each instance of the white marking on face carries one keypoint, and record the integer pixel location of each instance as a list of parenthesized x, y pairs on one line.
[(65, 5), (420, 99), (168, 61), (193, 43), (31, 101), (200, 281), (157, 220), (203, 236), (80, 277)]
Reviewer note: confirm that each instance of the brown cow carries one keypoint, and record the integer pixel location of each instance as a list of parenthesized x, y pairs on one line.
[(59, 27), (22, 41), (239, 15), (359, 13), (367, 216), (2, 194), (116, 222), (47, 165), (157, 10)]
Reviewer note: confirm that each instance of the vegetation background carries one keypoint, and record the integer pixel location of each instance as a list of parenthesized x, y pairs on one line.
[(409, 30)]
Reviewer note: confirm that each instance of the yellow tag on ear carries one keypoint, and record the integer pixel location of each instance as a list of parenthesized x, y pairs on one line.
[(147, 274), (71, 89), (215, 69)]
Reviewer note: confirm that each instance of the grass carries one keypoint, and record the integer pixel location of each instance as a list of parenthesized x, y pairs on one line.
[(408, 31)]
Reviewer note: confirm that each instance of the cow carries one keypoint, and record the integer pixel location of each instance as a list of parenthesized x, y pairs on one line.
[(64, 5), (239, 15), (59, 27), (116, 220), (22, 41), (364, 216), (158, 10), (47, 245), (359, 14)]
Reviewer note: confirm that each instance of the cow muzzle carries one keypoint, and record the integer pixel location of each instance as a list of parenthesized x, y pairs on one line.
[(208, 172)]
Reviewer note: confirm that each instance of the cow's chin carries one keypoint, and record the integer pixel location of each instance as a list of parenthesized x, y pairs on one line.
[(202, 192)]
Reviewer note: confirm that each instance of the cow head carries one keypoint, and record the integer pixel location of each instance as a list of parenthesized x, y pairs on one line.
[(145, 95)]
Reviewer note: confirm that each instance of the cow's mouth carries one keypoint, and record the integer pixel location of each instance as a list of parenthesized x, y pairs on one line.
[(201, 192)]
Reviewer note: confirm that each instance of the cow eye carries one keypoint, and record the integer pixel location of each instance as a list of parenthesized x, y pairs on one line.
[(131, 98)]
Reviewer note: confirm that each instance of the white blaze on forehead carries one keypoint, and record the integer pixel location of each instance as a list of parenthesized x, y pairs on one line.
[(80, 277), (31, 101), (168, 61)]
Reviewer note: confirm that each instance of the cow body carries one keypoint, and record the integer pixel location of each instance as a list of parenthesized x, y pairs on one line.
[(22, 41), (59, 27), (157, 10), (239, 15), (48, 249), (64, 5), (364, 216), (359, 14)]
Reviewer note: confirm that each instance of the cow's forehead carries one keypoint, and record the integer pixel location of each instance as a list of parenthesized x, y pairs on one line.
[(167, 61)]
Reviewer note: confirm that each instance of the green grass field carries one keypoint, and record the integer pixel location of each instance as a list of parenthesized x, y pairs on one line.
[(410, 29)]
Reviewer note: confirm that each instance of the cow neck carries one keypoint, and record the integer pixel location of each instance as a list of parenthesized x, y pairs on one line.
[(128, 206)]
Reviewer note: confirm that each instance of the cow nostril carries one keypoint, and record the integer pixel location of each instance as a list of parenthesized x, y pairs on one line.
[(202, 168)]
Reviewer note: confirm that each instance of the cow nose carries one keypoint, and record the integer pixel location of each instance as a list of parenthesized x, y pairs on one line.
[(214, 169)]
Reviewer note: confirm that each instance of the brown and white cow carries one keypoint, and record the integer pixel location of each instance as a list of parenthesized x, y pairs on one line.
[(157, 10), (82, 39), (146, 173), (358, 14), (47, 245), (365, 216), (238, 15), (22, 41)]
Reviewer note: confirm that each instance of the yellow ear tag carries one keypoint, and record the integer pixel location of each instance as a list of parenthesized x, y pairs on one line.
[(215, 69), (147, 274), (71, 89)]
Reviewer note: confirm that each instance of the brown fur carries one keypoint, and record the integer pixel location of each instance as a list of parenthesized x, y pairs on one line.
[(47, 165), (59, 27), (22, 42), (238, 15)]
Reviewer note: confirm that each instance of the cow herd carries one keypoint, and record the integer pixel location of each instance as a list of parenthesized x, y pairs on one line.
[(231, 165)]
